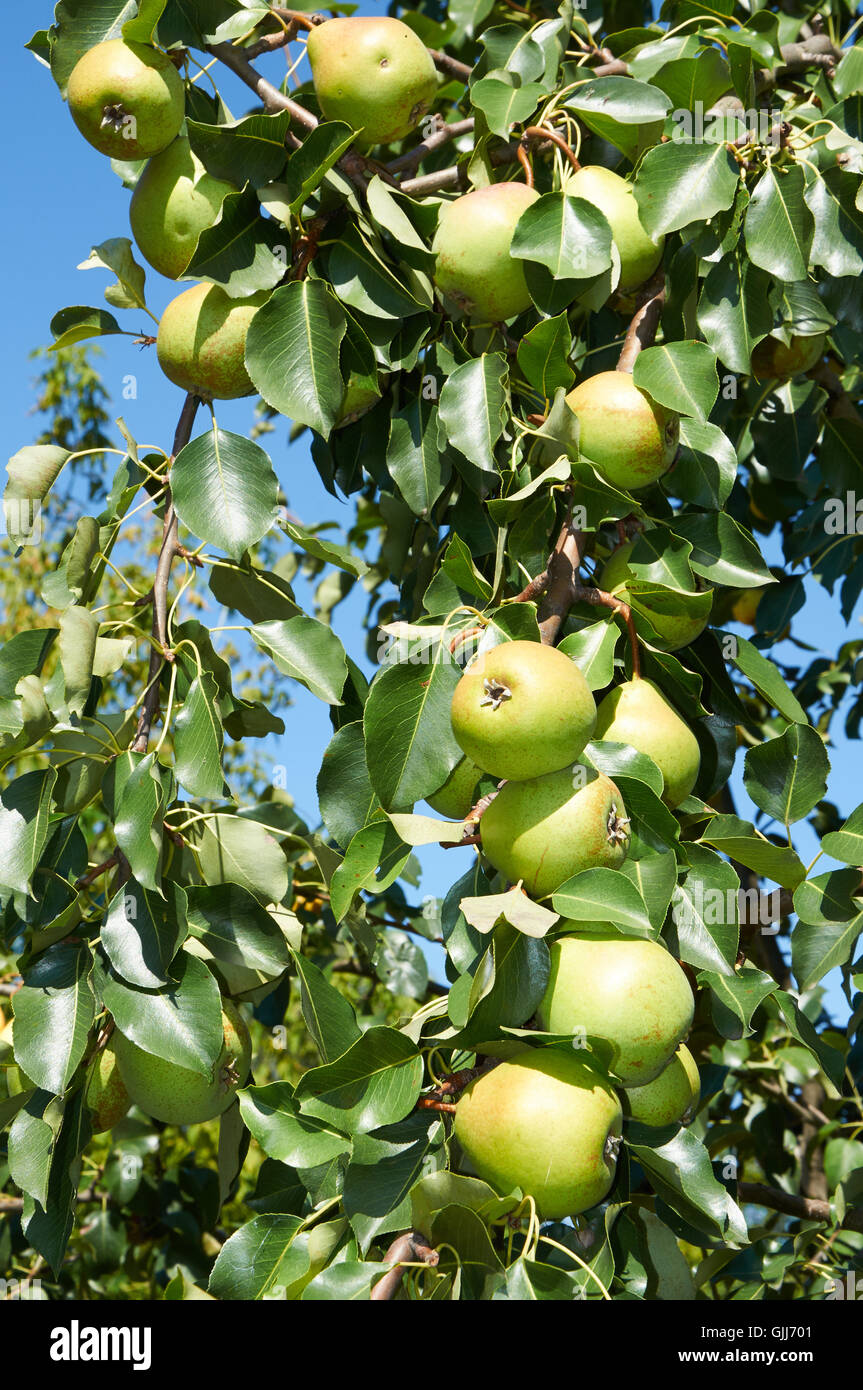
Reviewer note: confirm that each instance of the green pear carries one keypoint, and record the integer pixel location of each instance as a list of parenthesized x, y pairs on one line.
[(627, 997), (630, 438), (522, 709), (547, 1122), (613, 196), (472, 248), (127, 99), (671, 1098), (543, 831), (638, 713), (674, 621), (175, 199), (457, 795), (178, 1095), (774, 360), (374, 74), (202, 340), (106, 1096)]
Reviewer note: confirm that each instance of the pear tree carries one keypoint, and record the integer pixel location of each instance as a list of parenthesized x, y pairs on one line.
[(564, 304)]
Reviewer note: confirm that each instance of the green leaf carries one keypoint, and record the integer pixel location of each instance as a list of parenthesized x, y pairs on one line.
[(707, 467), (232, 849), (243, 252), (138, 820), (620, 109), (141, 933), (514, 907), (721, 550), (568, 236), (291, 351), (705, 913), (767, 680), (181, 1023), (740, 840), (410, 746), (734, 311), (846, 843), (198, 740), (831, 919), (235, 928), (680, 1172), (383, 1169), (308, 166), (592, 649), (543, 355), (677, 184), (225, 490), (787, 776), (255, 1259), (73, 325), (325, 550), (503, 104), (32, 471), (345, 795), (414, 461), (837, 244), (54, 1011), (778, 224), (118, 256), (25, 807), (376, 1082), (328, 1015), (472, 408), (603, 895), (309, 652), (373, 860), (681, 376), (273, 1117)]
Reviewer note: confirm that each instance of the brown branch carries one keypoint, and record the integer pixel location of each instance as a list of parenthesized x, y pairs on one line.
[(271, 43), (408, 163), (100, 869), (13, 1205), (805, 1208), (610, 66), (644, 323), (411, 1248), (270, 96), (167, 553), (806, 1112), (563, 567), (451, 67), (455, 176), (298, 17)]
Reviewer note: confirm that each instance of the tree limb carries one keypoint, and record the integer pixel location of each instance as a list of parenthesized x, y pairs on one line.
[(411, 1248), (451, 67), (645, 321), (805, 1208), (408, 163), (563, 567)]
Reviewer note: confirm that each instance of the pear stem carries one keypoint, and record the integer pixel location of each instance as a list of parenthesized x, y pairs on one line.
[(600, 599), (644, 323), (536, 132)]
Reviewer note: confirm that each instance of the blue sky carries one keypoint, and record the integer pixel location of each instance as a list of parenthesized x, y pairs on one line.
[(68, 201)]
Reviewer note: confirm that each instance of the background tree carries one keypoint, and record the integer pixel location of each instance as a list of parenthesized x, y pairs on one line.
[(707, 301)]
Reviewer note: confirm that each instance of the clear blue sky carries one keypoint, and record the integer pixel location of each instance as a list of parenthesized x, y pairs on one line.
[(68, 200)]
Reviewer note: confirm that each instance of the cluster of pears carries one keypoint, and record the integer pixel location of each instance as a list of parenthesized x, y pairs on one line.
[(123, 1074), (630, 438), (548, 1120)]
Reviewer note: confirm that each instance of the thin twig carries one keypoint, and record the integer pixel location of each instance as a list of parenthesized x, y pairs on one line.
[(405, 164), (167, 553), (451, 67)]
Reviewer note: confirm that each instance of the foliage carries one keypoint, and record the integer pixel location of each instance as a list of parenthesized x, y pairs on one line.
[(741, 138)]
